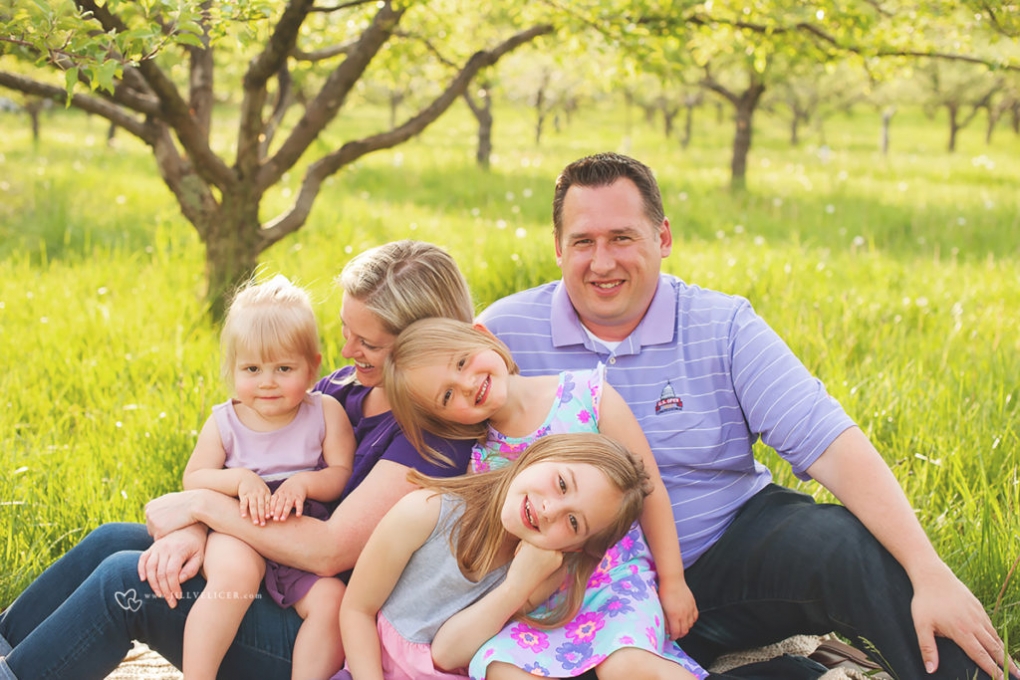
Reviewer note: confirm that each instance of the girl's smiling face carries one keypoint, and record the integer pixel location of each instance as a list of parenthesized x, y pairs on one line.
[(558, 506), (462, 388)]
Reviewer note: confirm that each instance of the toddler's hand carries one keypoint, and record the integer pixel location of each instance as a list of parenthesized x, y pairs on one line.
[(290, 496), (254, 496)]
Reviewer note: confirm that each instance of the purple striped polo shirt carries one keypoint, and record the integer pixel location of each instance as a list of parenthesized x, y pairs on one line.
[(705, 377)]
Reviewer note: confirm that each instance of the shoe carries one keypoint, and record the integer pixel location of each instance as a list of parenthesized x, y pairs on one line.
[(833, 653)]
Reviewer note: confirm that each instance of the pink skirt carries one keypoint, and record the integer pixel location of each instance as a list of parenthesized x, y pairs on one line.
[(403, 660)]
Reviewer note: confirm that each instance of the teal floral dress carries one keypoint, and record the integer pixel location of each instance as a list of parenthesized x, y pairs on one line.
[(621, 604)]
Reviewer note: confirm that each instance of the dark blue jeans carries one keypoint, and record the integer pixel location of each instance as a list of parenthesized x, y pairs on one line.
[(77, 620), (788, 566)]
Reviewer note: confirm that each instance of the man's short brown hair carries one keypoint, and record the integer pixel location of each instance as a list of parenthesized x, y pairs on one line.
[(603, 169)]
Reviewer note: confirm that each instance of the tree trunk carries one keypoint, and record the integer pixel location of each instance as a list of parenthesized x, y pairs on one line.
[(34, 115), (669, 114), (539, 114), (887, 116), (483, 114), (954, 126), (745, 105), (688, 126), (484, 151), (232, 248), (34, 109), (794, 125)]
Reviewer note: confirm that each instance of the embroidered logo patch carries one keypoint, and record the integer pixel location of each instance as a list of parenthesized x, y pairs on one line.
[(668, 401)]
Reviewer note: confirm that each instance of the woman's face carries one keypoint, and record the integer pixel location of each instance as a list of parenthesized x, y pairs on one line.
[(558, 506), (366, 342)]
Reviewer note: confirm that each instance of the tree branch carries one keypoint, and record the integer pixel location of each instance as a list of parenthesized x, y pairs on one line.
[(824, 37), (101, 107), (293, 219), (324, 53), (173, 109), (262, 68), (280, 43), (428, 46), (327, 103), (193, 195), (342, 6), (200, 77)]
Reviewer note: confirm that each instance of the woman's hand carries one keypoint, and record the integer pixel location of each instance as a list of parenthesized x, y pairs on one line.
[(172, 560)]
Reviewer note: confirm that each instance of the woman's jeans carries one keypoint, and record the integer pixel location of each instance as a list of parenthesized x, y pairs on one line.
[(77, 620), (788, 566)]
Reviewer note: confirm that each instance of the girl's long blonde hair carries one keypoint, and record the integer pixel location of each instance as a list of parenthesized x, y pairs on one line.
[(426, 343), (478, 534)]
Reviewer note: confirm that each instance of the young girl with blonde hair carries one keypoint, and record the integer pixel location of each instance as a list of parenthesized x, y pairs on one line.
[(279, 449), (454, 380), (451, 563)]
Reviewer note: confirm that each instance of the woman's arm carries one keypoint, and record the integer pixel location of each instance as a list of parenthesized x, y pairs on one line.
[(400, 532), (617, 421), (324, 548), (465, 632)]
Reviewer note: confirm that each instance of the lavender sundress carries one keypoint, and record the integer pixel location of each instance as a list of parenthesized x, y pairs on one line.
[(621, 604)]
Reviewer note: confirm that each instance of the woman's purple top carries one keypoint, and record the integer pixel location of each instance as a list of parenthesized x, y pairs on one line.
[(380, 438)]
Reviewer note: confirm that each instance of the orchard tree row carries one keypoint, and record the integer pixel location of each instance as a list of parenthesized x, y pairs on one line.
[(158, 70)]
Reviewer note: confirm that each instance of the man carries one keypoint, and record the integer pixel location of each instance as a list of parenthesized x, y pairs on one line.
[(706, 377)]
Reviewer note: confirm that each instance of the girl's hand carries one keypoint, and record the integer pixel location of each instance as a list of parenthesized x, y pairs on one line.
[(679, 607), (531, 566), (289, 496), (254, 497)]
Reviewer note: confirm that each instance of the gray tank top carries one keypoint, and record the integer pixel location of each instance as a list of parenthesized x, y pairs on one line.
[(432, 588)]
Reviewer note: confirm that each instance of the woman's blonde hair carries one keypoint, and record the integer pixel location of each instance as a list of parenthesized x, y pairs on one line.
[(268, 319), (426, 343), (403, 281), (478, 534)]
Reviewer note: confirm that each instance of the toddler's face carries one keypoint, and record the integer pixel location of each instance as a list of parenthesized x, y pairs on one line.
[(272, 388)]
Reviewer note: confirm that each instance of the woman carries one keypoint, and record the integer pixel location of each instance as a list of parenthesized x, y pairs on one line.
[(77, 620)]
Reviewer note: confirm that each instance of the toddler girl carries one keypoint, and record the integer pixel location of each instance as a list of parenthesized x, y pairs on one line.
[(279, 449)]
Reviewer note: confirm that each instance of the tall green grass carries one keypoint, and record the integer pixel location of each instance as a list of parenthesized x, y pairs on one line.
[(895, 278)]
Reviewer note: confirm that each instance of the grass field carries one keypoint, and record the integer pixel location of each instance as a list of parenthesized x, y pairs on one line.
[(896, 279)]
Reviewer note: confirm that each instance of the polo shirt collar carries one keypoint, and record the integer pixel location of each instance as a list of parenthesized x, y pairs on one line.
[(655, 328)]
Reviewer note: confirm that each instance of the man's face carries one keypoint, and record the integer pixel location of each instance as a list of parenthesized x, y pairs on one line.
[(610, 254)]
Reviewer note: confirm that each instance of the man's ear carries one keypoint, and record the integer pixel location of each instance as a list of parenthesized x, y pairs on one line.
[(559, 252), (479, 326)]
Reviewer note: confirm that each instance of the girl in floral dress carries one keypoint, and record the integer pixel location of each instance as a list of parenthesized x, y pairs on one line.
[(459, 381)]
